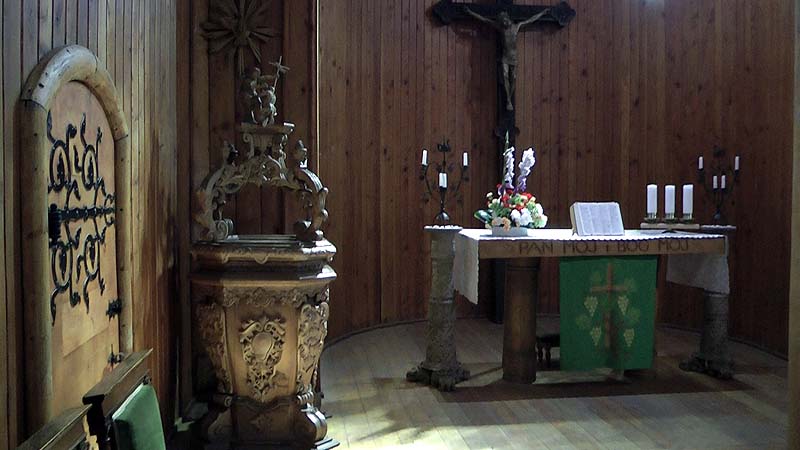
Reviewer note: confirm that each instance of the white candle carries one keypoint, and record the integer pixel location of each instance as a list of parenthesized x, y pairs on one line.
[(652, 199), (424, 157), (700, 163), (714, 182), (736, 163), (688, 199), (443, 180), (723, 183), (465, 159), (669, 199)]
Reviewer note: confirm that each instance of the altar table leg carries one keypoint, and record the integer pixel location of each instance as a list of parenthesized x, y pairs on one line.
[(519, 320)]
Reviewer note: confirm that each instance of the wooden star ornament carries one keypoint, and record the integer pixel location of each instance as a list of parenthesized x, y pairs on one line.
[(234, 24)]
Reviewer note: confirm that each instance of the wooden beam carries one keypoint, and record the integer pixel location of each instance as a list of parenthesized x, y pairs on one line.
[(794, 286)]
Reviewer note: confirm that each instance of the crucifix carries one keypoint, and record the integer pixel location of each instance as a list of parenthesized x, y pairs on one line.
[(508, 20)]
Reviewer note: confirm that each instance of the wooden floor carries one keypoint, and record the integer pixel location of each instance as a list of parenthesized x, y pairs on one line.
[(372, 406)]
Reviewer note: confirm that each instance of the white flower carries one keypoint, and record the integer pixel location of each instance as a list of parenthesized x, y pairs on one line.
[(525, 217), (515, 217)]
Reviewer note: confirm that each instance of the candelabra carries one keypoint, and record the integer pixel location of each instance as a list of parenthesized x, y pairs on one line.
[(442, 170), (723, 178)]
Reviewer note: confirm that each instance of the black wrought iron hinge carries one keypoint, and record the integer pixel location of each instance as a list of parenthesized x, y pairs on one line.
[(114, 308), (115, 358)]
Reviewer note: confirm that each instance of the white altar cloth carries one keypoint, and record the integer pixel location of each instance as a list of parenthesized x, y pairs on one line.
[(467, 250)]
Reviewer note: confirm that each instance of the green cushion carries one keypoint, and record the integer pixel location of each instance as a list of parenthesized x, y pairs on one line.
[(137, 423)]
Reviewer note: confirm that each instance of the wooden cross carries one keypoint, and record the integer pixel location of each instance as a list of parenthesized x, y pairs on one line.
[(609, 289), (508, 19)]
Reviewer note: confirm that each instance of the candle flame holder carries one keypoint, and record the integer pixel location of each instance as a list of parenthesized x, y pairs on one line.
[(442, 218), (719, 166)]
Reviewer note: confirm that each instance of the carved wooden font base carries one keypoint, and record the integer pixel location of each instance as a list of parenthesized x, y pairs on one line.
[(261, 317)]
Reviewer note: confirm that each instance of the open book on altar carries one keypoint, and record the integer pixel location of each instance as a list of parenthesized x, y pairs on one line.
[(596, 219)]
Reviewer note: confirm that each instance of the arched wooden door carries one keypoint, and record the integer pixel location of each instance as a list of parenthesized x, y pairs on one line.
[(75, 196)]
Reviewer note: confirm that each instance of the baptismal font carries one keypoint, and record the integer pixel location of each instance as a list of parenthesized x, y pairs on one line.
[(260, 303)]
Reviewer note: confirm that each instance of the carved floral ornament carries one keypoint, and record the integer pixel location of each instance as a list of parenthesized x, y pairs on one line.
[(261, 296), (313, 328), (211, 325), (262, 347)]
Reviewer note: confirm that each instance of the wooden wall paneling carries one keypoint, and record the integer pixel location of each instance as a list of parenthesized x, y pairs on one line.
[(45, 28), (59, 24), (93, 24), (5, 406), (29, 41), (131, 72), (71, 15), (12, 82), (794, 294), (111, 33), (83, 23), (390, 41), (222, 115), (184, 39), (199, 144), (298, 46), (168, 221), (102, 32)]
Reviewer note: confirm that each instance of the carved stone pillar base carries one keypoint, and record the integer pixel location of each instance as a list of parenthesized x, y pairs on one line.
[(444, 380), (713, 357), (261, 311), (441, 368)]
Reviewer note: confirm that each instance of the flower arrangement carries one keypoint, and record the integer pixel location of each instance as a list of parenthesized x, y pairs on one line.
[(513, 206)]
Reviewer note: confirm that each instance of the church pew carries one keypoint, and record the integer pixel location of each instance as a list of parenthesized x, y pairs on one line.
[(124, 412), (65, 432)]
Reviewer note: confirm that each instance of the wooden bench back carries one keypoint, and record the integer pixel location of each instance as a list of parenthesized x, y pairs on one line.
[(65, 432), (110, 393)]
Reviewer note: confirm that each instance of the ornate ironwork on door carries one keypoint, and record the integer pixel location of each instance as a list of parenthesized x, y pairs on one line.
[(77, 173)]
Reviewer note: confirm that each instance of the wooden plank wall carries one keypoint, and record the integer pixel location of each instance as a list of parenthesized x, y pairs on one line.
[(630, 93), (794, 299), (135, 41)]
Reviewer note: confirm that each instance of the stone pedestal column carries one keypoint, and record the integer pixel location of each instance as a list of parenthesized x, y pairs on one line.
[(713, 357), (441, 368)]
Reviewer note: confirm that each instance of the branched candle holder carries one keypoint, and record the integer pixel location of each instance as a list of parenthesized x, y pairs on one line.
[(443, 169), (719, 184)]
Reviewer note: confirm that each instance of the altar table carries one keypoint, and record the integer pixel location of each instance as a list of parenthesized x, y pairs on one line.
[(523, 254)]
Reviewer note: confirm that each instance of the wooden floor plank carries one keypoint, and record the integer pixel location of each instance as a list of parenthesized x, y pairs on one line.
[(373, 406)]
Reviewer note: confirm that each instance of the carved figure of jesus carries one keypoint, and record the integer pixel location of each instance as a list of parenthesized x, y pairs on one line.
[(509, 30)]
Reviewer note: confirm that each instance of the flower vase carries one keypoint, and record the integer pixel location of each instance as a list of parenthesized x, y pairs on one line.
[(511, 232)]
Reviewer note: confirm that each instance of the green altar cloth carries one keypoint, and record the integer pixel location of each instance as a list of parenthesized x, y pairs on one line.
[(607, 312)]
